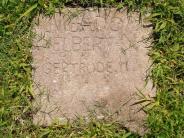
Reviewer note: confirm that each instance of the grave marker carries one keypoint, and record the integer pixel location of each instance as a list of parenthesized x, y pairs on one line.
[(97, 57)]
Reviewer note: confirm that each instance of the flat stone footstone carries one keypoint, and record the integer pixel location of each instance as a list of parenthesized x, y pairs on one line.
[(90, 60)]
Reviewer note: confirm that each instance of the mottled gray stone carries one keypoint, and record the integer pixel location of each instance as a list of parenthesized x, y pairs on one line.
[(88, 60)]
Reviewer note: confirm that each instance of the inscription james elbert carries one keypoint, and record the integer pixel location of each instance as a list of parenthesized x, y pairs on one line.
[(97, 56)]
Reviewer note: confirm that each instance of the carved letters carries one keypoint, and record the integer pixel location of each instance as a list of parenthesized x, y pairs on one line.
[(80, 54)]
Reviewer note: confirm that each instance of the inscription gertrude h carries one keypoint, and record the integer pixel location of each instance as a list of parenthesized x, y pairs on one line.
[(98, 56)]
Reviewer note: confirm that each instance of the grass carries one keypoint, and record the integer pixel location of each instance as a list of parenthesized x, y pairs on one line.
[(165, 115)]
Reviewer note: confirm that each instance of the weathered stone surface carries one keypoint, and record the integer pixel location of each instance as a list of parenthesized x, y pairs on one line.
[(90, 60)]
